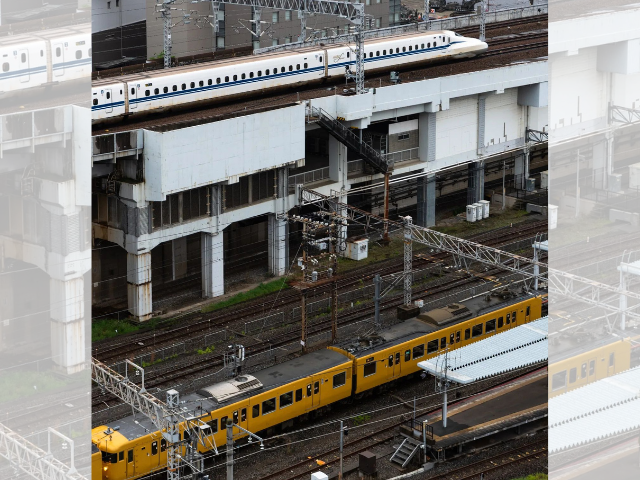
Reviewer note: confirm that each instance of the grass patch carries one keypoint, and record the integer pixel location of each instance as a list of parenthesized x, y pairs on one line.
[(110, 327), (21, 384), (360, 419), (158, 360), (535, 476), (259, 291), (206, 350)]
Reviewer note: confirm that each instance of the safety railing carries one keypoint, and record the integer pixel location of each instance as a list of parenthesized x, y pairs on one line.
[(401, 156), (307, 177)]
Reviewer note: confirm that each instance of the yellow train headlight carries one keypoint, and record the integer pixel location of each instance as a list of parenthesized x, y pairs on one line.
[(105, 468)]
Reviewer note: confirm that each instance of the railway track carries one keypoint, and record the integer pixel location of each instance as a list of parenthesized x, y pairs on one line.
[(497, 462), (514, 48), (200, 323)]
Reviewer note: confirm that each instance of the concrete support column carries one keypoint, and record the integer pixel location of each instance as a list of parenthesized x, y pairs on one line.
[(520, 171), (179, 257), (426, 201), (68, 324), (277, 245), (139, 285), (475, 186), (599, 165), (212, 265), (427, 132), (337, 161)]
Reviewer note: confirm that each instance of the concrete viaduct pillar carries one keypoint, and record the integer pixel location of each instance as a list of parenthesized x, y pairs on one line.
[(475, 185), (278, 245), (67, 301), (212, 265), (139, 285), (426, 201), (337, 162)]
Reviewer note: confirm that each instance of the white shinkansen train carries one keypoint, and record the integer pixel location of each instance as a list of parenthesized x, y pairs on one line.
[(163, 90), (44, 58)]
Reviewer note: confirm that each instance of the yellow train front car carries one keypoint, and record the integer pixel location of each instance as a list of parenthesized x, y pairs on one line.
[(295, 389)]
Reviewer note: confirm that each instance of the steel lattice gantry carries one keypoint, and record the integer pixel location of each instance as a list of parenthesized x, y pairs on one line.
[(32, 460), (572, 286), (165, 416)]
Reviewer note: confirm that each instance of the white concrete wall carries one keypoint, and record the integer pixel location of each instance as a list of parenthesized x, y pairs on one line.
[(504, 118), (127, 12), (457, 130), (221, 151)]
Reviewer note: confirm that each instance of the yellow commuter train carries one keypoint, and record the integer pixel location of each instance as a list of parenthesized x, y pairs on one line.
[(296, 389)]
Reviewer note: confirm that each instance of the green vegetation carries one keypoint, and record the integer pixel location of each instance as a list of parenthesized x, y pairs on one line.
[(206, 350), (259, 291), (23, 384), (535, 476), (360, 419), (158, 360), (110, 327)]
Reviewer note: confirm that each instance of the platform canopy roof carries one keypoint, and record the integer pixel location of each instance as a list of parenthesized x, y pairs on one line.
[(598, 410), (510, 350)]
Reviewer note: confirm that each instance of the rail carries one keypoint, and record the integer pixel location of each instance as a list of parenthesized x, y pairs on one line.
[(348, 138), (452, 23)]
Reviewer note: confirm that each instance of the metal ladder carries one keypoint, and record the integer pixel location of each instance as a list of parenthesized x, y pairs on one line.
[(406, 451)]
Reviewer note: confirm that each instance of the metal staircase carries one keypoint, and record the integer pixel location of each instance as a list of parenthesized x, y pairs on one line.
[(345, 136), (406, 451)]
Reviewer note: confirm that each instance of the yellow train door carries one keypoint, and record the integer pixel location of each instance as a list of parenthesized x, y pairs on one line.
[(131, 464), (397, 369), (315, 397)]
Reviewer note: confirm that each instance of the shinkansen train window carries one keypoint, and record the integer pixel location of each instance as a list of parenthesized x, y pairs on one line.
[(443, 342), (500, 322), (291, 68), (573, 375), (147, 93), (297, 66), (429, 45), (201, 83), (298, 395), (108, 95), (163, 445), (415, 48), (58, 51), (130, 456), (243, 76), (339, 380), (282, 69), (435, 44), (23, 57), (235, 77), (592, 367), (377, 53), (612, 359), (174, 88), (156, 91), (78, 54), (457, 336), (370, 369), (491, 326), (407, 355), (210, 82), (418, 351), (409, 48), (432, 346), (476, 330), (422, 46), (397, 50), (218, 80), (559, 380), (320, 58), (184, 86), (193, 84), (42, 53), (121, 456), (154, 448), (467, 334), (133, 91), (306, 65), (269, 406), (286, 399), (583, 370), (250, 74), (213, 424), (165, 89), (266, 72), (255, 411), (309, 390), (95, 101), (347, 54), (226, 79)]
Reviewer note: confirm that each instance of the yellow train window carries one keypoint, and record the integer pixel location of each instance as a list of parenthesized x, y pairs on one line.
[(443, 342), (316, 387), (451, 339), (418, 351), (432, 346), (370, 369), (513, 316), (339, 380), (163, 445), (397, 358), (286, 399), (391, 360), (476, 330), (213, 424), (508, 318), (528, 310), (130, 456), (243, 415), (255, 411), (223, 422), (268, 406), (407, 355), (154, 448), (573, 375), (457, 336), (121, 456), (467, 334), (309, 390), (491, 326), (235, 417), (592, 367), (583, 370), (500, 322), (298, 395)]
